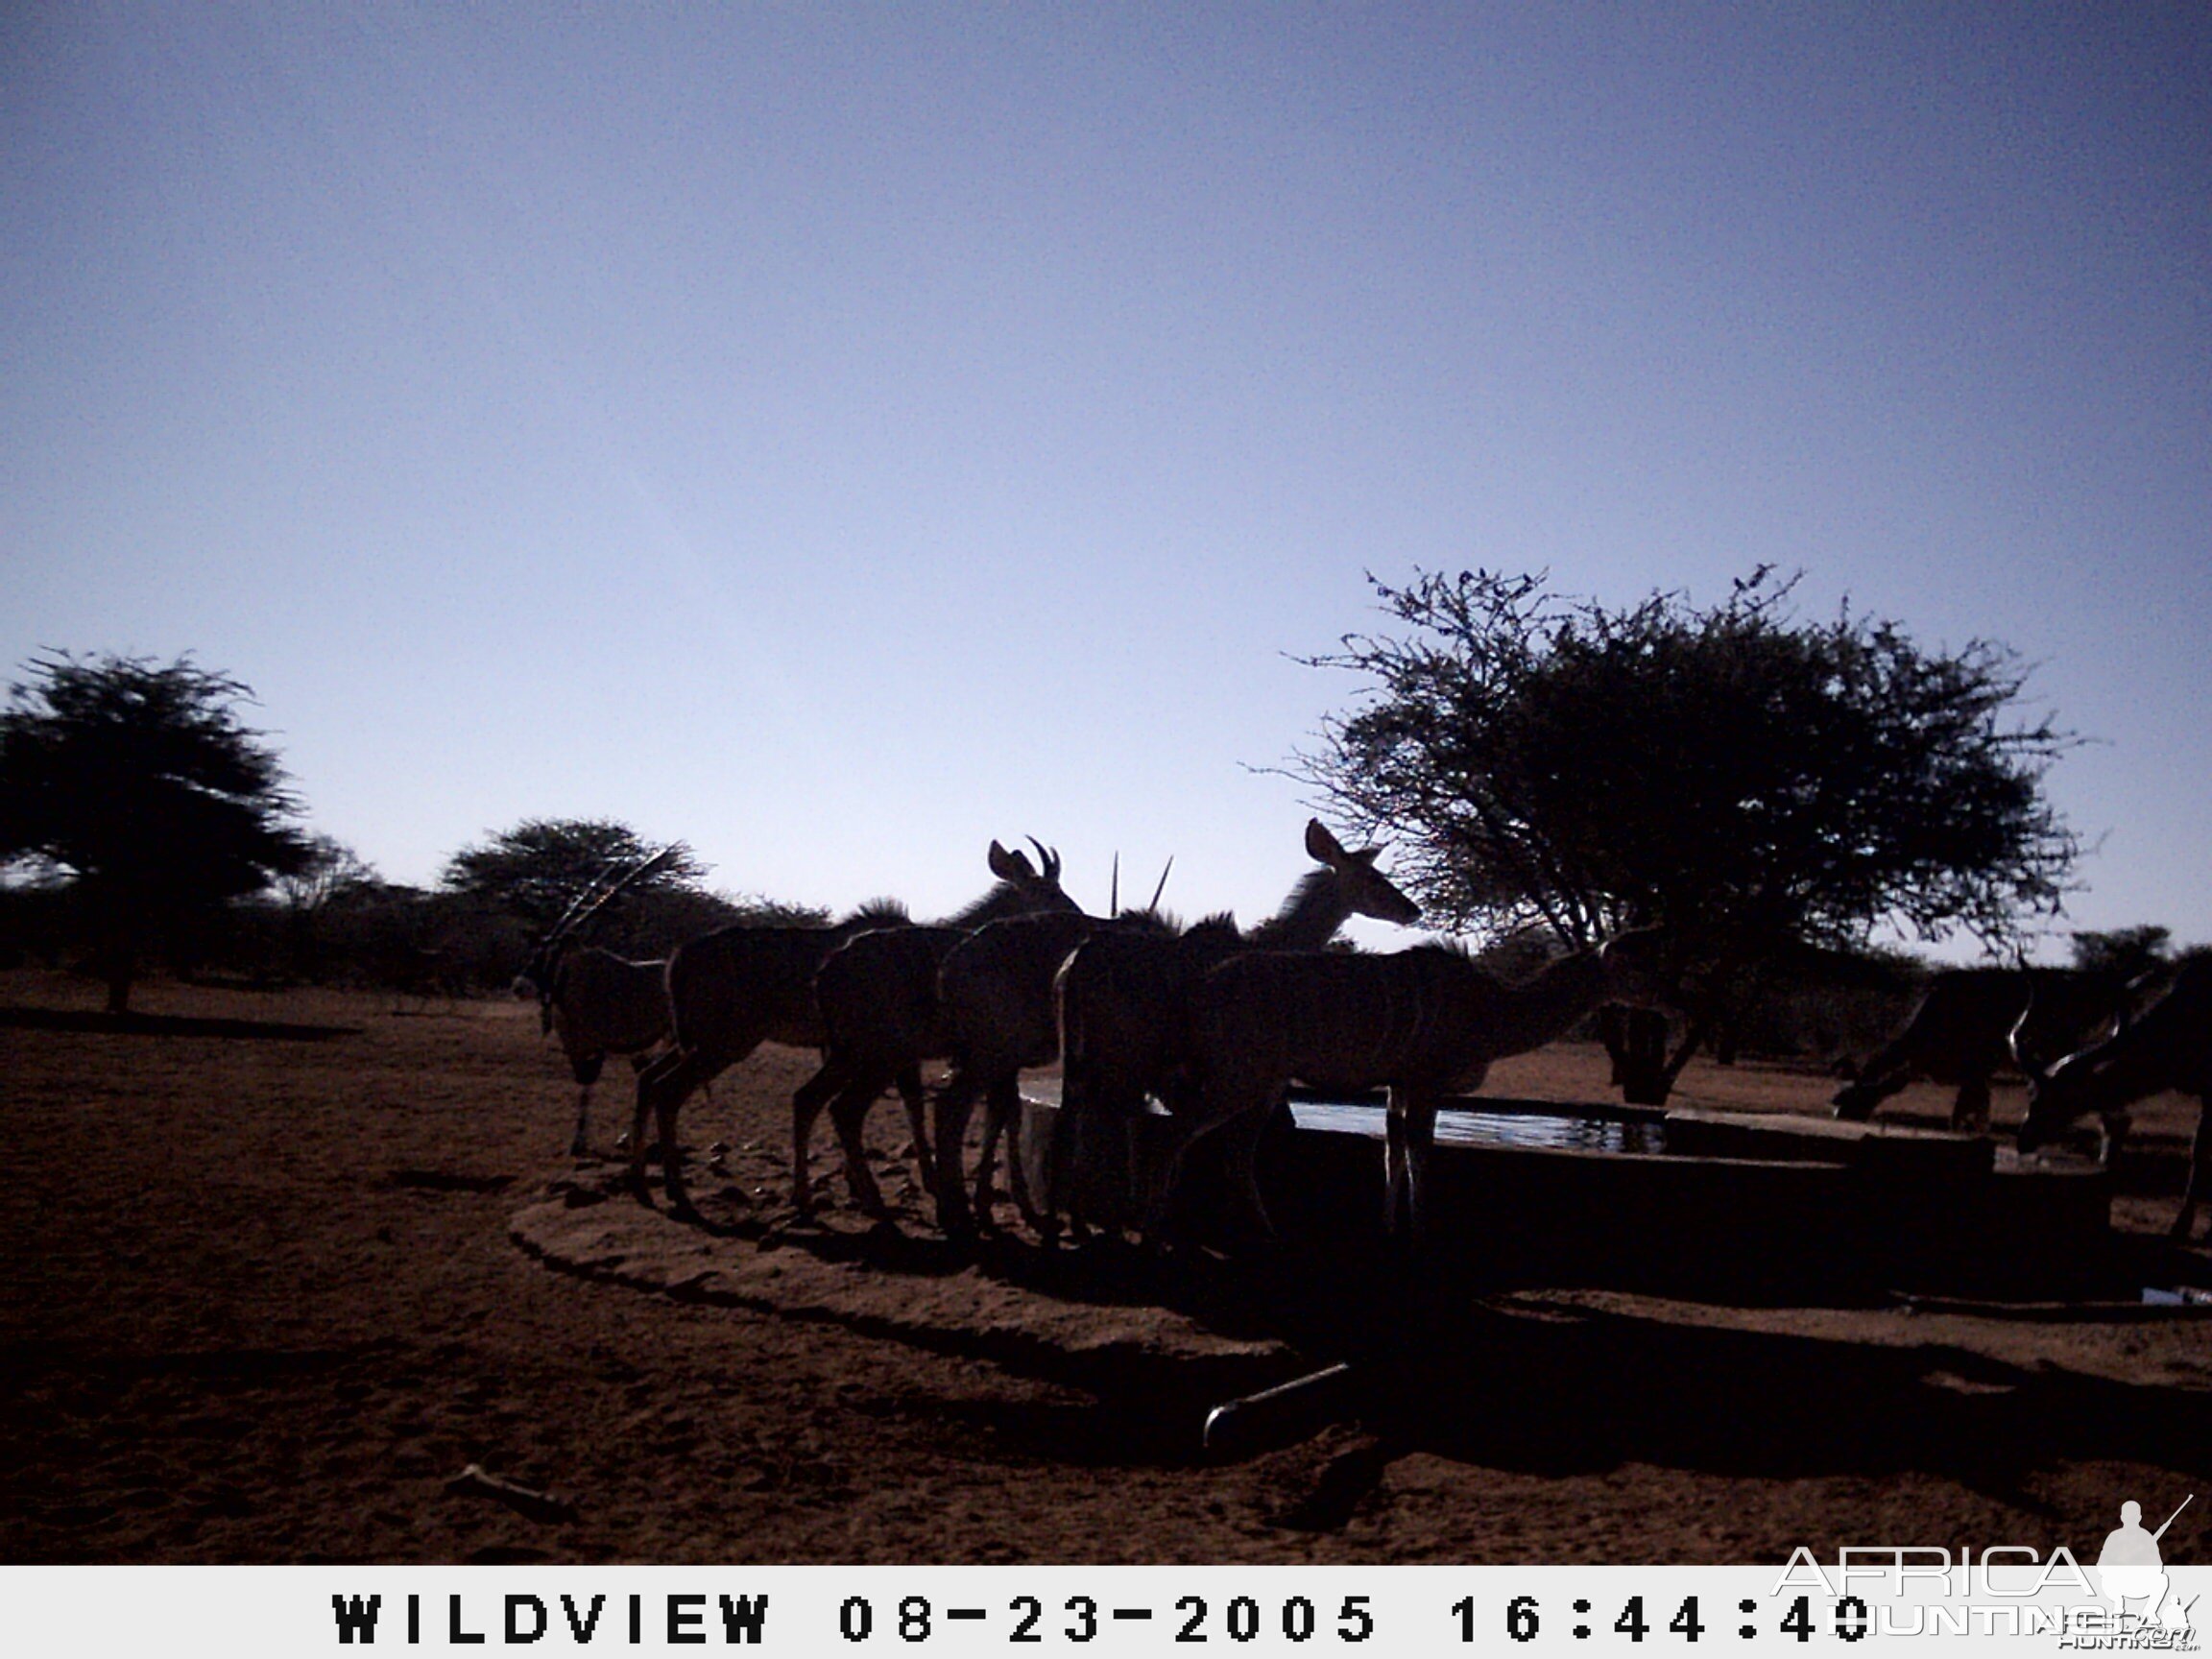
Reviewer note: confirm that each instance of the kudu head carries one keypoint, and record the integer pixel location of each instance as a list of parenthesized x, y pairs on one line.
[(1362, 889), (1640, 970), (538, 975), (2059, 1091), (1035, 886)]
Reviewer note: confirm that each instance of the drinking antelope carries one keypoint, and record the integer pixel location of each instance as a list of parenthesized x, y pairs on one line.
[(1122, 1001), (1958, 1033), (995, 991), (1422, 1024), (880, 1018), (595, 1002), (2168, 1046)]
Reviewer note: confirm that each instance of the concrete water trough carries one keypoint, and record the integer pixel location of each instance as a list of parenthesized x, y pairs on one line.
[(1685, 1201)]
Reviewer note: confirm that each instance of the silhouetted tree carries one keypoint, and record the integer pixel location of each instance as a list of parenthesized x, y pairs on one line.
[(332, 873), (1751, 779), (139, 783), (2122, 952), (537, 869)]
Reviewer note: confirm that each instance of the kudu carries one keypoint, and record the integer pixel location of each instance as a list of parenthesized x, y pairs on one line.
[(1422, 1024), (1122, 1001), (880, 1020), (1958, 1033), (995, 991), (595, 1002), (2168, 1046)]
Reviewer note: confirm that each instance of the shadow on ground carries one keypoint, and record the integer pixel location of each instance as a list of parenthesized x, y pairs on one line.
[(168, 1025)]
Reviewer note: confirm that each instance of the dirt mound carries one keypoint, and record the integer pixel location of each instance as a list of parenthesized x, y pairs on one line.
[(1069, 1324)]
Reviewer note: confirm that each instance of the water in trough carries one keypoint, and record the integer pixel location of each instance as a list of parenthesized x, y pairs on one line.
[(1536, 1131)]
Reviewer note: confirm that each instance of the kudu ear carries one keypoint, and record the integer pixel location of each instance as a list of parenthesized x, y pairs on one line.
[(1323, 847), (1010, 866)]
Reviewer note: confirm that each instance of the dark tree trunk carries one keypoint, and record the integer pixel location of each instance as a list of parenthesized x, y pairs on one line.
[(121, 971), (1637, 1041), (116, 953)]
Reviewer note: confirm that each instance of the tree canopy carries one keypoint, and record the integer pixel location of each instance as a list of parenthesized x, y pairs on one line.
[(2124, 952), (540, 866), (1751, 780), (141, 784)]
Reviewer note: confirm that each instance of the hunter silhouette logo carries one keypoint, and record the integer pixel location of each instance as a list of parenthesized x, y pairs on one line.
[(2130, 1569)]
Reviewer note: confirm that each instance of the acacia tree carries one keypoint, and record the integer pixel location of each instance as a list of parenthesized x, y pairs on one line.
[(539, 868), (2124, 952), (1754, 781), (139, 784)]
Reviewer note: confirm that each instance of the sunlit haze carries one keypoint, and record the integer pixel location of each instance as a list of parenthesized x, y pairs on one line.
[(838, 436)]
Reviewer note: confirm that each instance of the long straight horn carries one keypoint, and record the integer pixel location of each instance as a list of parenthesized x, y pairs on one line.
[(2027, 1067), (1114, 892), (590, 902), (580, 907), (1153, 908)]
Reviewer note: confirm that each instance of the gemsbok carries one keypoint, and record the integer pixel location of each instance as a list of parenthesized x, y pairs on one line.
[(880, 1020), (995, 991), (595, 1002), (1958, 1033), (2168, 1046), (1122, 1000), (733, 989), (1422, 1024)]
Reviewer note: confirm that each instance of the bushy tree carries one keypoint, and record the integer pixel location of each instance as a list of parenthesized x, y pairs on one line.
[(540, 866), (2122, 952), (141, 785), (1751, 780)]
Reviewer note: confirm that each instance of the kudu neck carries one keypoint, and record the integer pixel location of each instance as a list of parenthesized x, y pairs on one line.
[(1308, 919), (1540, 1009), (1003, 900)]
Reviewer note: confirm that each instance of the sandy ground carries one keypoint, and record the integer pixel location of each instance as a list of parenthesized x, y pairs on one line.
[(279, 1266)]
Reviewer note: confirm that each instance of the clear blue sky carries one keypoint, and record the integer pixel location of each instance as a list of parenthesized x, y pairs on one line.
[(838, 436)]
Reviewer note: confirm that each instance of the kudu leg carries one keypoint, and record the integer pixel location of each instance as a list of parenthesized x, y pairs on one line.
[(1393, 1167), (584, 1068), (1970, 1111), (1409, 1131), (580, 1142), (1005, 1118), (1157, 1176), (1002, 1117), (652, 1082), (806, 1106), (1240, 1151), (910, 1092), (2199, 1156), (955, 1101), (1002, 1106), (663, 1091), (849, 1117)]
